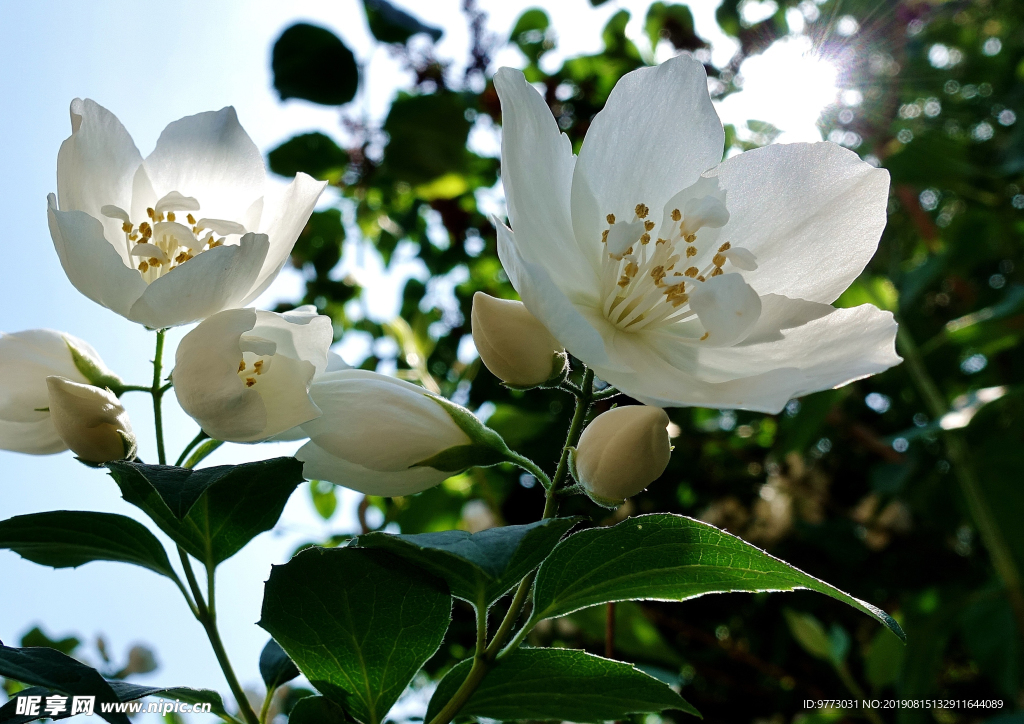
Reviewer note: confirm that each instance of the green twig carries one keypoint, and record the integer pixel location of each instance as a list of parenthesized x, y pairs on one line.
[(265, 709), (188, 448), (208, 618), (957, 451), (531, 467), (134, 388), (158, 393), (485, 660)]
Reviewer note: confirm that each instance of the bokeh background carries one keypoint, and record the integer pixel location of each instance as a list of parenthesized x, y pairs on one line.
[(903, 489)]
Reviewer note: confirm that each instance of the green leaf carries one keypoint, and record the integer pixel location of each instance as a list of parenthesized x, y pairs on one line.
[(312, 63), (531, 34), (428, 136), (324, 496), (390, 24), (358, 623), (37, 637), (312, 153), (275, 666), (664, 557), (130, 692), (50, 669), (674, 23), (70, 538), (559, 684), (478, 567), (810, 634), (317, 710), (213, 512)]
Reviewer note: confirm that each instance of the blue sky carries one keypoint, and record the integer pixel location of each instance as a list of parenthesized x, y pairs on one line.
[(150, 66)]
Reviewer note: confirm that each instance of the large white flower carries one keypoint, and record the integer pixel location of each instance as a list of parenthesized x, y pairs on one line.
[(244, 374), (679, 279), (27, 359), (182, 234)]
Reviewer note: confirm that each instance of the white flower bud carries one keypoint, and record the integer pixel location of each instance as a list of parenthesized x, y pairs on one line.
[(244, 374), (622, 452), (90, 420), (26, 360), (513, 344), (384, 436)]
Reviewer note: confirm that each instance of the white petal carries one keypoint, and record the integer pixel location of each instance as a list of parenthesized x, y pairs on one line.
[(298, 334), (146, 250), (206, 380), (837, 347), (657, 133), (379, 422), (95, 268), (318, 464), (727, 307), (283, 220), (812, 214), (284, 389), (114, 212), (34, 438), (214, 280), (26, 359), (741, 258), (95, 166), (174, 201), (660, 377), (336, 362), (220, 226), (536, 172), (621, 236), (548, 303), (210, 157)]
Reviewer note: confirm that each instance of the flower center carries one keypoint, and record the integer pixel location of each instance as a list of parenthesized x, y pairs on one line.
[(647, 282), (164, 242), (251, 366)]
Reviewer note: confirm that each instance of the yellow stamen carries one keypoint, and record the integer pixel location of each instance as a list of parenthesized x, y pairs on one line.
[(648, 225), (241, 366), (170, 216), (610, 218), (692, 272), (143, 266), (191, 219), (676, 216), (691, 251), (250, 381), (706, 335), (725, 247), (641, 211)]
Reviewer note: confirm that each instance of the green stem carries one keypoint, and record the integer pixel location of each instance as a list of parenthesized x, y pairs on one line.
[(266, 704), (850, 683), (531, 467), (158, 393), (188, 448), (970, 486), (481, 627), (205, 448), (208, 618), (134, 388), (484, 661)]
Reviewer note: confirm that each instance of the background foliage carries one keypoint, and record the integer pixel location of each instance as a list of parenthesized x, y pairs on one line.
[(855, 485)]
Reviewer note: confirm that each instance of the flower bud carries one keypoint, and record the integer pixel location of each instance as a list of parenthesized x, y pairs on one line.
[(26, 359), (622, 452), (90, 420), (513, 344), (244, 374), (384, 436)]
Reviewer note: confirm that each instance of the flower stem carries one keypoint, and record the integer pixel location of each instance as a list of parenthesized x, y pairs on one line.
[(158, 392), (207, 615), (266, 704), (188, 448), (484, 660), (957, 451)]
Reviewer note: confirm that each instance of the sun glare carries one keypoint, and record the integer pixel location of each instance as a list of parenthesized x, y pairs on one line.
[(789, 85)]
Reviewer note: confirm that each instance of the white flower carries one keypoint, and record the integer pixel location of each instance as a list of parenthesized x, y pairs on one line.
[(682, 285), (90, 420), (376, 431), (622, 452), (244, 374), (513, 345), (26, 360), (180, 235)]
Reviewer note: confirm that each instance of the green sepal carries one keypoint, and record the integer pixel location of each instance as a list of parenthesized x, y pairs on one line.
[(129, 444), (462, 457), (559, 373), (92, 371), (486, 446)]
